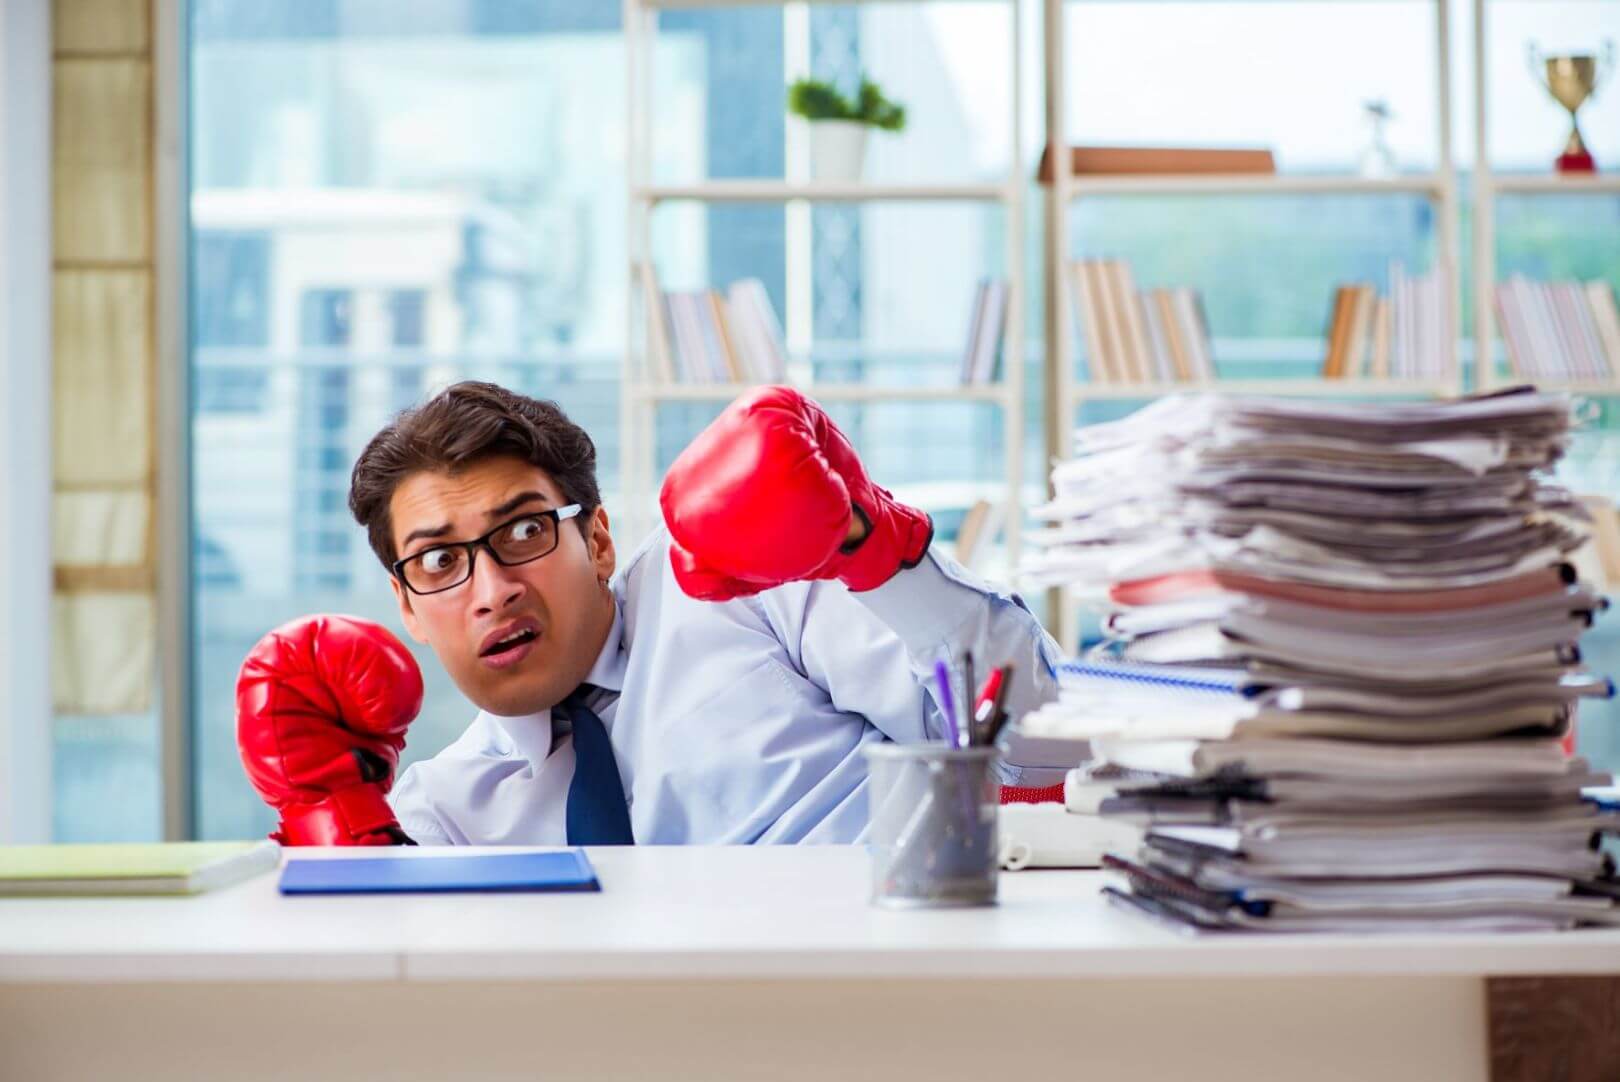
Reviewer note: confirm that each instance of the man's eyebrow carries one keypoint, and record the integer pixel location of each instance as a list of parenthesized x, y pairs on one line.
[(428, 532), (424, 532), (516, 502)]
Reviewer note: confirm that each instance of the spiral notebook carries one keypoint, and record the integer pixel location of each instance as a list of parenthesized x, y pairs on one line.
[(569, 870)]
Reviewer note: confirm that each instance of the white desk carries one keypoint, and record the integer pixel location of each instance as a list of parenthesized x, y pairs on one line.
[(747, 963)]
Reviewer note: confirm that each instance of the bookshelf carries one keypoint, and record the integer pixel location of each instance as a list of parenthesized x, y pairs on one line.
[(1487, 186), (643, 395), (1065, 392), (771, 191)]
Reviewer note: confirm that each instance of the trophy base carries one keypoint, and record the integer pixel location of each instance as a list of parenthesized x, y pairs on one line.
[(1576, 162)]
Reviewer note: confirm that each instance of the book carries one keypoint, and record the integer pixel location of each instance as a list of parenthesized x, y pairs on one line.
[(752, 352), (1407, 335), (980, 358), (1142, 368), (716, 313), (710, 337), (1358, 336), (131, 868), (972, 532), (1559, 330), (1086, 313), (1164, 370), (1150, 337), (714, 360), (1180, 350), (677, 359), (1094, 160), (981, 295), (1337, 332), (1115, 300), (1110, 358), (1382, 325), (1607, 319), (662, 364), (691, 361), (1195, 327), (1513, 332), (1400, 347), (568, 870), (765, 352), (1565, 322), (1586, 325), (1551, 359)]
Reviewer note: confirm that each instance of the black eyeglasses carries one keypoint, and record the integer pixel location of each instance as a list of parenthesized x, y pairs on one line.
[(518, 541)]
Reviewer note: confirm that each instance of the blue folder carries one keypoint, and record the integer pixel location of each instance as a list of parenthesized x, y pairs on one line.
[(564, 871)]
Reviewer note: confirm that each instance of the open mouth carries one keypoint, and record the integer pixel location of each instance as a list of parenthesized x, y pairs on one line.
[(515, 641)]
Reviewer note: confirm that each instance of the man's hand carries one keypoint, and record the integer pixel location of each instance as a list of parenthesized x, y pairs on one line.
[(772, 492), (322, 705)]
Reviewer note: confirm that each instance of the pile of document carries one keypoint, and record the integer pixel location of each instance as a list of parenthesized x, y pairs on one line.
[(1339, 666)]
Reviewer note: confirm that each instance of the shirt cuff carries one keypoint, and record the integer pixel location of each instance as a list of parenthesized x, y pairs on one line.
[(925, 606), (423, 833)]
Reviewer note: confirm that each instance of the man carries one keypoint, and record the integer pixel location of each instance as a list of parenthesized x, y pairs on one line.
[(718, 687)]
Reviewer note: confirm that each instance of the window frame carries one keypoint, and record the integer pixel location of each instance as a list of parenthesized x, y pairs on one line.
[(172, 237)]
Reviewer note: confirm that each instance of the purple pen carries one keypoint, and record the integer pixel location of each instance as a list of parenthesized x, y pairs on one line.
[(947, 704)]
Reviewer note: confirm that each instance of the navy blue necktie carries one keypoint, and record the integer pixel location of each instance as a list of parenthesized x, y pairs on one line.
[(597, 811)]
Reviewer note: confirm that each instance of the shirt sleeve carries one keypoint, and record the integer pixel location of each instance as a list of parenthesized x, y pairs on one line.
[(874, 651)]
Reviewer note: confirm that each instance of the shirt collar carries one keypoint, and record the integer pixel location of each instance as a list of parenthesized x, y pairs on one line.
[(531, 733), (608, 671)]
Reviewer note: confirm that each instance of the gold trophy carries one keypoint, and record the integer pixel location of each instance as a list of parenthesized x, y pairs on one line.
[(1571, 80)]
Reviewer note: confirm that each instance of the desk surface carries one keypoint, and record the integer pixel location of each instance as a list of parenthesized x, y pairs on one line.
[(695, 913)]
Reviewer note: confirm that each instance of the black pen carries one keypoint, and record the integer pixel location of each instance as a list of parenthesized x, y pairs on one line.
[(970, 691)]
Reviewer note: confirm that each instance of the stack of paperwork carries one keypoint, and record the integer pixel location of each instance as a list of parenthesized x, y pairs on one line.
[(1340, 664)]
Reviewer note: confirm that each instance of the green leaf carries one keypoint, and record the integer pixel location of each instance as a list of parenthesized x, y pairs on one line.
[(816, 99)]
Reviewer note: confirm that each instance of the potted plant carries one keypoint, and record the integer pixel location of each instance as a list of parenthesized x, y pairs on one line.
[(838, 126)]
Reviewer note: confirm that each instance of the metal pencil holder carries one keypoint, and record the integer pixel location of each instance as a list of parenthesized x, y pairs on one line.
[(932, 834)]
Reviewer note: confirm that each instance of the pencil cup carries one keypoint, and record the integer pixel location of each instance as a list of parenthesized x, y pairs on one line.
[(932, 834)]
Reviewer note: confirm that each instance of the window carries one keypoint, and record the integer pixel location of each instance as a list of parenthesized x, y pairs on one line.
[(384, 199), (231, 390), (406, 311), (327, 317), (390, 197), (231, 272)]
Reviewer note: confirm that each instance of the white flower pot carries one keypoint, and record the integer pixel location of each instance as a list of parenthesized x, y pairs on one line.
[(837, 150)]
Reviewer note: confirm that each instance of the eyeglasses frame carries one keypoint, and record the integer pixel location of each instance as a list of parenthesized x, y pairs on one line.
[(557, 515)]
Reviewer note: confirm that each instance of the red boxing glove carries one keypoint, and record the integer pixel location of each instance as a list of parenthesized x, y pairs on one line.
[(322, 705), (765, 495)]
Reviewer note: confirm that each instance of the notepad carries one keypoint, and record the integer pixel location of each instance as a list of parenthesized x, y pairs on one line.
[(569, 870), (131, 868)]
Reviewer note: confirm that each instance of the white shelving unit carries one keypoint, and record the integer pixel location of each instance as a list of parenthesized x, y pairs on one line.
[(1487, 186), (643, 394), (1064, 392), (774, 191)]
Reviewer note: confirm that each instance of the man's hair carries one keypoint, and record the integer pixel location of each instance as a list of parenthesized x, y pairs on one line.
[(462, 425)]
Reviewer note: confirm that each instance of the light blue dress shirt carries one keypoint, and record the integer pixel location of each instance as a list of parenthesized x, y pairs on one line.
[(740, 721)]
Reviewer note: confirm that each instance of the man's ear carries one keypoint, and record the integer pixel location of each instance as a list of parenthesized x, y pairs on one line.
[(600, 545), (406, 614)]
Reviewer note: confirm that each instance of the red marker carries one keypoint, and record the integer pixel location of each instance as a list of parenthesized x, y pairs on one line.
[(986, 705)]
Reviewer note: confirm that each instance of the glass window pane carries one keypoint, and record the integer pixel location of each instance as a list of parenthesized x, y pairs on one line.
[(384, 201), (1291, 77)]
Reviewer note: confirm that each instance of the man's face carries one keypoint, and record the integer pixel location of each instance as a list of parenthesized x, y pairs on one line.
[(558, 606)]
